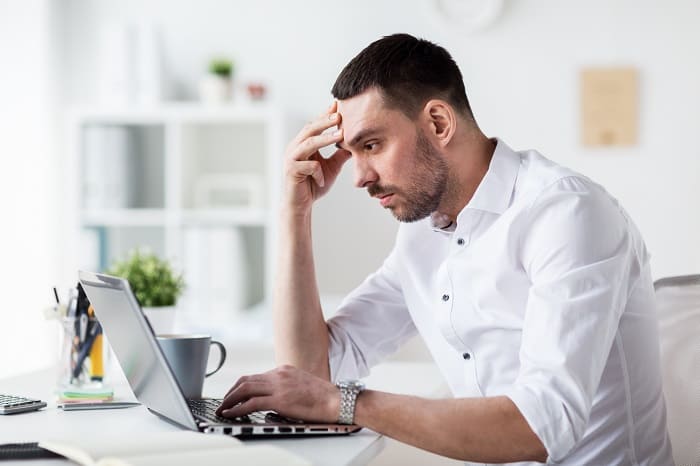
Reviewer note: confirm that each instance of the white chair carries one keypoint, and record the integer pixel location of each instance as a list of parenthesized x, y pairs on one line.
[(678, 306)]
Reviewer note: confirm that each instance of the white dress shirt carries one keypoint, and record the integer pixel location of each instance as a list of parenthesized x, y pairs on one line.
[(541, 292)]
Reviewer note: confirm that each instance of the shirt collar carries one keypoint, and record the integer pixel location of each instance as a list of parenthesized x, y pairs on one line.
[(495, 191)]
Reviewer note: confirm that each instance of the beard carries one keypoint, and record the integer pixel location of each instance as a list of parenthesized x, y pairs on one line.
[(426, 187)]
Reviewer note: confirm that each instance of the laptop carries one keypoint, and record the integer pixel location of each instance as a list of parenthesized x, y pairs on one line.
[(153, 382)]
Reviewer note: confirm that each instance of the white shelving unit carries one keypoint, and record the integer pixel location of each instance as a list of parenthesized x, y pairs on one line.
[(198, 185)]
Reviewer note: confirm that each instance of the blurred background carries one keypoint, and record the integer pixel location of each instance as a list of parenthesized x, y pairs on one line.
[(161, 125)]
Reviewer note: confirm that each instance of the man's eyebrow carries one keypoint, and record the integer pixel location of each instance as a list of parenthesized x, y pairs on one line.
[(363, 134)]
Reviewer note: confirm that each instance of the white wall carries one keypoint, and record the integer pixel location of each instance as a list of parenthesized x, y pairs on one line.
[(27, 187), (521, 77)]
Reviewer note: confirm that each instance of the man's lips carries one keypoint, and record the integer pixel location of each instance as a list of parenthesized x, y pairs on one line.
[(384, 199)]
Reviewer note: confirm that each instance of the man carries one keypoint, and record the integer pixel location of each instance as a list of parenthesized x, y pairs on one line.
[(528, 282)]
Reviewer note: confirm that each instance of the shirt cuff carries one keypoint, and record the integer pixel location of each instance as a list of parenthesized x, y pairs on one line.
[(345, 361), (548, 419)]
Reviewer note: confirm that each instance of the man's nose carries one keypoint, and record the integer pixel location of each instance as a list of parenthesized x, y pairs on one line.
[(364, 173)]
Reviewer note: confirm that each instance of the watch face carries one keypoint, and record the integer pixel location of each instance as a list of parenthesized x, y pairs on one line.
[(351, 385)]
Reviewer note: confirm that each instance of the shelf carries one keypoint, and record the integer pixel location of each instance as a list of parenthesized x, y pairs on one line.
[(196, 184), (124, 217), (159, 217), (122, 166), (184, 112), (228, 217)]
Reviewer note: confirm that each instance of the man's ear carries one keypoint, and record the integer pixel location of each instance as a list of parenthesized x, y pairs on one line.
[(441, 119)]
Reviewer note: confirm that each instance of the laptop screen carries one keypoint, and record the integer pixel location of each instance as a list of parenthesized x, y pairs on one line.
[(135, 346)]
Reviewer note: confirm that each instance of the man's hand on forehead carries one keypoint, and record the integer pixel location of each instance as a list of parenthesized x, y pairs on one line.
[(309, 174)]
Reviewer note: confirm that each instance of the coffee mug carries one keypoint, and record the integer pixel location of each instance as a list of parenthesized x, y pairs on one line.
[(187, 357)]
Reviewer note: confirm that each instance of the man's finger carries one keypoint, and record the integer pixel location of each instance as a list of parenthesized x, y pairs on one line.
[(263, 377), (244, 391), (309, 146), (235, 385), (245, 378), (260, 403), (310, 168), (317, 126), (331, 109)]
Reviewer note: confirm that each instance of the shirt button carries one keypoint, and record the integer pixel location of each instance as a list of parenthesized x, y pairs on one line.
[(445, 297), (460, 241), (467, 356)]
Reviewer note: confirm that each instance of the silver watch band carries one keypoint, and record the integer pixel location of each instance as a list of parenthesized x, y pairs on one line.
[(349, 389)]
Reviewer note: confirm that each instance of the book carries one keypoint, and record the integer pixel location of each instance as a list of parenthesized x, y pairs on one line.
[(177, 448)]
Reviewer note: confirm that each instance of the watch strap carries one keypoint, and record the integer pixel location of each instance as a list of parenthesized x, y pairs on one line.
[(348, 399)]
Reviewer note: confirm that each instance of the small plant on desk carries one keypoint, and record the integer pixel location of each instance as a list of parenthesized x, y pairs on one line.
[(153, 279), (156, 286)]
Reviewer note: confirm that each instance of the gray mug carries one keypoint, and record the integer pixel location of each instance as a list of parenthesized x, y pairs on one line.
[(188, 356)]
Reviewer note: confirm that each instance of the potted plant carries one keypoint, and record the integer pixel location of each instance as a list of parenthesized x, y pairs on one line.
[(216, 86), (156, 286)]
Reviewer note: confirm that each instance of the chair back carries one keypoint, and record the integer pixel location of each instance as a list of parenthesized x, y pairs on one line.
[(678, 307)]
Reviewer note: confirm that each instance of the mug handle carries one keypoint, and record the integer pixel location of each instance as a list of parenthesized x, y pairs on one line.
[(222, 352)]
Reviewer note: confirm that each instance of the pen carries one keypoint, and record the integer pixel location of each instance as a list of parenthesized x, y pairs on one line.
[(96, 356), (83, 327), (58, 311), (73, 314), (72, 320), (85, 349), (71, 304), (75, 406), (82, 311)]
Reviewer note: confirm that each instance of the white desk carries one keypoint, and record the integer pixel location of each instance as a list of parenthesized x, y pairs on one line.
[(356, 449)]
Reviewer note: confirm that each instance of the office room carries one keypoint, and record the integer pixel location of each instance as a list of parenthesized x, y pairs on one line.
[(157, 141)]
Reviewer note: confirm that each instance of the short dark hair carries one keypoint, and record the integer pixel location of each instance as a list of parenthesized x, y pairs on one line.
[(408, 72)]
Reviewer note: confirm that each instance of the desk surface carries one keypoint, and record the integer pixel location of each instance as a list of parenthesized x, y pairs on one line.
[(356, 449)]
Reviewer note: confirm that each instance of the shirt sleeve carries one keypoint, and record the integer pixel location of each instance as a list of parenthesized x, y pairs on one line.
[(582, 255), (371, 323)]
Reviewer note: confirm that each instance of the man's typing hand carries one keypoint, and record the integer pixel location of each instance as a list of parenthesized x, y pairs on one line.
[(289, 391), (308, 175)]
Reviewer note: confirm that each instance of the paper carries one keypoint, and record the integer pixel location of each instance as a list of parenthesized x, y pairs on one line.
[(609, 106)]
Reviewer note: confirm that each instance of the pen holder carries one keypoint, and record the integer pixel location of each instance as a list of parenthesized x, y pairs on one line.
[(82, 362)]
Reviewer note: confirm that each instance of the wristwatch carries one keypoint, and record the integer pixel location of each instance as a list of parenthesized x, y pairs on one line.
[(349, 389)]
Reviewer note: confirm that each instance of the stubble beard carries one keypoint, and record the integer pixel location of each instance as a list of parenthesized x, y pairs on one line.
[(426, 187)]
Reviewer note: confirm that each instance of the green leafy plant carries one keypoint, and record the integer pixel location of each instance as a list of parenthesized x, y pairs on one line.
[(221, 67), (153, 280)]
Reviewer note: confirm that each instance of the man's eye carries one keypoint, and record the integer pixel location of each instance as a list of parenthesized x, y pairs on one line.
[(370, 146)]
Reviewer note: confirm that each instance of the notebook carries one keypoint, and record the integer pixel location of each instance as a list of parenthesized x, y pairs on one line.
[(154, 384), (181, 448)]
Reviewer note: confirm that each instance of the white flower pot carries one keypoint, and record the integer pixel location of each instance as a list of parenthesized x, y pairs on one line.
[(215, 89), (162, 319)]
